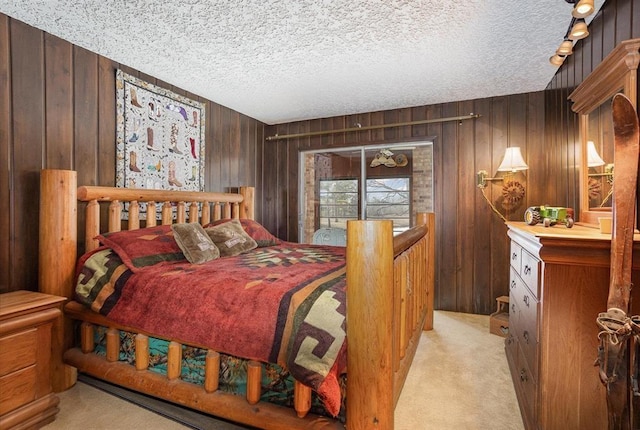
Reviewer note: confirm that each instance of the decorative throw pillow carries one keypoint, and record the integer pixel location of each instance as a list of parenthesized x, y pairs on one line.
[(196, 245), (231, 239), (254, 229), (144, 247), (100, 277)]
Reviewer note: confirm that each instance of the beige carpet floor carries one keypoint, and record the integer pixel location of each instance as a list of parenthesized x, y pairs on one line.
[(459, 380)]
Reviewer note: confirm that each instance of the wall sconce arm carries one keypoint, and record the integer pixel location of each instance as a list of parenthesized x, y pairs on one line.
[(483, 177), (608, 173)]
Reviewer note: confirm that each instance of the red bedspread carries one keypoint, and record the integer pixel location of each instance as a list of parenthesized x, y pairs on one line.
[(283, 304)]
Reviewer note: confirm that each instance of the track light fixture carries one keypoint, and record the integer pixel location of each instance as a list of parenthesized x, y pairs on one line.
[(565, 48), (583, 9), (578, 30), (557, 60)]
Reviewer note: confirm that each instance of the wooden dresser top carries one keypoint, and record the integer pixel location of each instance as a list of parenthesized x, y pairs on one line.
[(578, 231), (583, 245), (19, 302)]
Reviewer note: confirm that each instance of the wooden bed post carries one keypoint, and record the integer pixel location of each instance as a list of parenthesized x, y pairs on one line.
[(369, 337), (429, 219), (57, 253), (247, 207)]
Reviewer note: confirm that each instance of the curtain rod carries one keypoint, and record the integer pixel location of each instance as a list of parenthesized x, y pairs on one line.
[(373, 127)]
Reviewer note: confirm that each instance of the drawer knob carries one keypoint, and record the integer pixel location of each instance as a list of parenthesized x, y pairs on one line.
[(513, 308), (527, 270), (525, 336), (513, 283), (525, 299), (514, 256), (523, 375)]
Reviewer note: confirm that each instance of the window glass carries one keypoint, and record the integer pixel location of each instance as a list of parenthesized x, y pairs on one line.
[(389, 198), (338, 202)]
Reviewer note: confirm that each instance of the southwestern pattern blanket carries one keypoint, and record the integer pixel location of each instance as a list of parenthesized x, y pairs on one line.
[(283, 304)]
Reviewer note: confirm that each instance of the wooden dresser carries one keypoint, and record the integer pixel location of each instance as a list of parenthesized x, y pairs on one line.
[(559, 282), (26, 322)]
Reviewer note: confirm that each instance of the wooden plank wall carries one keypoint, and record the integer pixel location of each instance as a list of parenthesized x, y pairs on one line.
[(472, 241), (57, 110), (472, 259), (618, 20)]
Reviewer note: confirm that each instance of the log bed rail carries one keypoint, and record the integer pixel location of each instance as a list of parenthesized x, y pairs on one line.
[(390, 278)]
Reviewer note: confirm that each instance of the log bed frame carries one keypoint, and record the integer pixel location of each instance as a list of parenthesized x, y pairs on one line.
[(390, 294)]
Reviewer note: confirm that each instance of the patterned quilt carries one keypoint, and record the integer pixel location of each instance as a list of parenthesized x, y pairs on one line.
[(282, 304)]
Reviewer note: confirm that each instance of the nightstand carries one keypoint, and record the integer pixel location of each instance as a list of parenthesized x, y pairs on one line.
[(27, 319)]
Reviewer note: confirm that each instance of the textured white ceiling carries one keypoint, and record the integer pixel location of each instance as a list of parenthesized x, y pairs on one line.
[(284, 60)]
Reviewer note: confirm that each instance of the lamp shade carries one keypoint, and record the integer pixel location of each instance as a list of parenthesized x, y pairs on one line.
[(593, 158), (583, 9), (565, 48), (557, 60), (579, 30), (512, 161)]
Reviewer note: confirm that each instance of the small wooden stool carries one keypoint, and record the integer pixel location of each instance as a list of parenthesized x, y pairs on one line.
[(499, 320)]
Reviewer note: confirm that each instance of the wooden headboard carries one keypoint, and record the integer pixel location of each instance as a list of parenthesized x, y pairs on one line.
[(59, 245), (59, 198)]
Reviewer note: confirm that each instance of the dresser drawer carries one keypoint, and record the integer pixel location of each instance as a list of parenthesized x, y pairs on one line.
[(18, 351), (527, 335), (513, 279), (528, 385), (514, 257), (18, 388), (511, 345), (522, 302), (529, 272)]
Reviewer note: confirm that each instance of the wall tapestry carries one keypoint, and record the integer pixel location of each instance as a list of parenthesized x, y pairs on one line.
[(160, 137)]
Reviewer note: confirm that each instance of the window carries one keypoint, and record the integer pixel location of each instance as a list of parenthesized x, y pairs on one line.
[(338, 202), (389, 198), (341, 184)]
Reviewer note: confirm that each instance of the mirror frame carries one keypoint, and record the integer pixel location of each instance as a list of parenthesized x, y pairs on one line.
[(618, 72)]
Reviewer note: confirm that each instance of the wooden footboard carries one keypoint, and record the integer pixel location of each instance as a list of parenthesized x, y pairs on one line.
[(391, 280), (390, 301)]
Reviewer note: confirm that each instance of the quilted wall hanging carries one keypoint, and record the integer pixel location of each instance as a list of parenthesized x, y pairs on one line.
[(160, 137)]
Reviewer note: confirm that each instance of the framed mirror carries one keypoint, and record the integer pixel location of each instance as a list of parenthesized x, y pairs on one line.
[(618, 73)]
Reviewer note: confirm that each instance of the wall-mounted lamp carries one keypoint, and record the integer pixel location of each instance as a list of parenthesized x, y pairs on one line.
[(512, 191), (594, 160), (512, 162)]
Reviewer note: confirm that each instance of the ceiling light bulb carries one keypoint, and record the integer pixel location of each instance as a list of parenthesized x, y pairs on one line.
[(583, 9), (579, 30), (565, 48), (556, 60)]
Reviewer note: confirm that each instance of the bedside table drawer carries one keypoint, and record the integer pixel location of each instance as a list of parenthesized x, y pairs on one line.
[(27, 322), (18, 351), (17, 389)]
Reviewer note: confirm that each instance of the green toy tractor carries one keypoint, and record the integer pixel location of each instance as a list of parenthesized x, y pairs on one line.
[(549, 215)]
